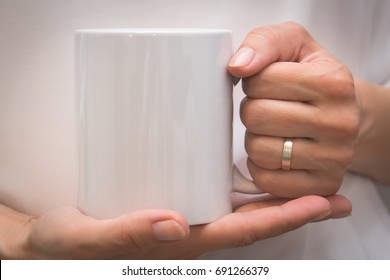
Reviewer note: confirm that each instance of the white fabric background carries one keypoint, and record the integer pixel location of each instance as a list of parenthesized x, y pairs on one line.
[(38, 167)]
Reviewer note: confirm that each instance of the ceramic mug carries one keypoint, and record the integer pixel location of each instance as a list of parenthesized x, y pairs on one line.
[(155, 122)]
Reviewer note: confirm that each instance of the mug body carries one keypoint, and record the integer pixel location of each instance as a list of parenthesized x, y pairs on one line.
[(154, 121)]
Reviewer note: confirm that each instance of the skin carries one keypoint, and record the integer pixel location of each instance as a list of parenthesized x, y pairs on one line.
[(294, 88), (372, 151), (66, 233)]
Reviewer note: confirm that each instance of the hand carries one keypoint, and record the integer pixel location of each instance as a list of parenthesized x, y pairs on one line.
[(295, 89), (66, 233)]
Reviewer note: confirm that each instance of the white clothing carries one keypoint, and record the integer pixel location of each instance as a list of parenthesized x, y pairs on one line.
[(38, 168)]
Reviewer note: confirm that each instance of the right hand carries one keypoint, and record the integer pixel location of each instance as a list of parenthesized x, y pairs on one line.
[(66, 233), (296, 89)]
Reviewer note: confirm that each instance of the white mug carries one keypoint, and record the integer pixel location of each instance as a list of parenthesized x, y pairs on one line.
[(155, 122)]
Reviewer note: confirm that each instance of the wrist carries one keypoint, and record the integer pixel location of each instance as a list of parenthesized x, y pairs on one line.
[(14, 233), (362, 90), (372, 153)]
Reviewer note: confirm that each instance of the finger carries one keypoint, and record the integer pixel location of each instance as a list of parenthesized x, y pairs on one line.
[(266, 153), (135, 232), (280, 118), (244, 228), (265, 45), (286, 81), (340, 206), (295, 183), (322, 81)]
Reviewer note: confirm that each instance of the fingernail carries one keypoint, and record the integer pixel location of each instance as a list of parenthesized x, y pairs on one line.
[(169, 230), (242, 57), (344, 215), (320, 217)]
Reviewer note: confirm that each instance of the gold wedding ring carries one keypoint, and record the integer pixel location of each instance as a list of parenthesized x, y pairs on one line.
[(287, 153)]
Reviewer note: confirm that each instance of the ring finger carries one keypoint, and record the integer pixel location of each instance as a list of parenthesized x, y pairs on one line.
[(266, 153)]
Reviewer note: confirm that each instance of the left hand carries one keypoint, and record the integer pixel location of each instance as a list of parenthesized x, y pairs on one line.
[(295, 89), (66, 233)]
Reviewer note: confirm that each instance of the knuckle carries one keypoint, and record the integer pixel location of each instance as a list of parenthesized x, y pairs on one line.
[(271, 33), (249, 239), (244, 232), (343, 129), (295, 27), (351, 128), (335, 159), (342, 125), (130, 239), (340, 83), (248, 234), (267, 34), (346, 82)]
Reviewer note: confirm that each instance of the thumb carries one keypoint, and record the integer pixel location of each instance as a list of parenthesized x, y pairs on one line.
[(265, 45), (140, 230)]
